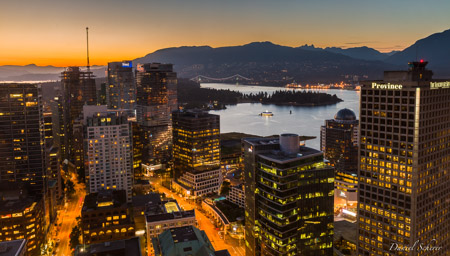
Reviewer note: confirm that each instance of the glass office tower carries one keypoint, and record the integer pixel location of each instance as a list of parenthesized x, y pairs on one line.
[(21, 138), (404, 185), (120, 89), (289, 193), (156, 99), (196, 141)]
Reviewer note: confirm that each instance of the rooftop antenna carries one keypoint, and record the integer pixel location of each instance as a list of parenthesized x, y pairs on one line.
[(87, 49)]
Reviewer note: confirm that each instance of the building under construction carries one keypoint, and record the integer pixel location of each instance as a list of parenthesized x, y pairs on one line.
[(78, 89)]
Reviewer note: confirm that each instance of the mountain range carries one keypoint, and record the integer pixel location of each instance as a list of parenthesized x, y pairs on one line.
[(33, 72), (363, 53), (265, 62)]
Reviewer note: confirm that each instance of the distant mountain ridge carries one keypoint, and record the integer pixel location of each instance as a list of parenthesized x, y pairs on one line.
[(435, 49), (265, 61), (362, 53), (276, 64), (32, 72)]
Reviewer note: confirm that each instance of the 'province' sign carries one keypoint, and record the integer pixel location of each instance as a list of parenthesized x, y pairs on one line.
[(387, 86), (438, 85)]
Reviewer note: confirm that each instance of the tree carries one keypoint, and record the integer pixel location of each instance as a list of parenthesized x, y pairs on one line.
[(75, 237), (70, 186), (225, 188)]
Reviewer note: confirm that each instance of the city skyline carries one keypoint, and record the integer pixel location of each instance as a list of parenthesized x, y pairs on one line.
[(225, 128), (58, 36)]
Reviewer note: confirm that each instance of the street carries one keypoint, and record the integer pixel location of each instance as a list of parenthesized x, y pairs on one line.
[(68, 217), (204, 223)]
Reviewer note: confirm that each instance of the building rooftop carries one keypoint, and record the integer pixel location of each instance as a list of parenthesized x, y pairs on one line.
[(183, 234), (262, 141), (105, 199), (155, 67), (345, 114), (165, 210), (185, 241), (219, 212), (141, 182), (281, 156), (193, 114), (143, 200), (12, 190), (272, 140), (19, 205), (346, 229), (223, 253), (129, 247), (12, 248)]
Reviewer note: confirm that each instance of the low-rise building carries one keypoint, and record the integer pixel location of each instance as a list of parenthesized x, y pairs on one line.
[(196, 184), (184, 241), (22, 217), (140, 202), (163, 215), (345, 237), (13, 248), (237, 195), (128, 247), (106, 216), (216, 215)]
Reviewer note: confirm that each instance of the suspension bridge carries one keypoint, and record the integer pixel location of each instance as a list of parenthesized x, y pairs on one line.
[(206, 79)]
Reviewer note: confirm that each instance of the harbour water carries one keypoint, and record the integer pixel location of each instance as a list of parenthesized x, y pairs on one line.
[(245, 117)]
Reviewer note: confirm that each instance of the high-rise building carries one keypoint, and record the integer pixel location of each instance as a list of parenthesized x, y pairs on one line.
[(51, 166), (339, 143), (57, 110), (196, 152), (107, 141), (404, 164), (52, 157), (196, 141), (78, 90), (101, 94), (288, 198), (21, 137), (156, 99), (137, 149), (120, 90)]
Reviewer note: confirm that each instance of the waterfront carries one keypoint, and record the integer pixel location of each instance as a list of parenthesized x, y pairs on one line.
[(245, 117)]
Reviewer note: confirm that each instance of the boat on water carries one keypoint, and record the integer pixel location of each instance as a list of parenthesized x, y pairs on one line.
[(266, 113)]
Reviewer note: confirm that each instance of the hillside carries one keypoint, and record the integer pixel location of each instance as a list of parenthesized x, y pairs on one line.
[(435, 49), (266, 62)]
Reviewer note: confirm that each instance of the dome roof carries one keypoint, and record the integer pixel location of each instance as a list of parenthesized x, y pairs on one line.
[(345, 114)]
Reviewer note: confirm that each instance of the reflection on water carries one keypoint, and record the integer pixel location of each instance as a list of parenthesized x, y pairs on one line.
[(245, 117)]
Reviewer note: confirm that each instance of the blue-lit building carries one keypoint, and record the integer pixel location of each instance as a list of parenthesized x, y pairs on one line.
[(120, 88)]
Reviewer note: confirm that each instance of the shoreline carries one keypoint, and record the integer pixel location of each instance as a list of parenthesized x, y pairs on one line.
[(292, 104)]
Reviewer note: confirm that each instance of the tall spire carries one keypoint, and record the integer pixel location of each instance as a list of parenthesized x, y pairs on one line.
[(87, 49)]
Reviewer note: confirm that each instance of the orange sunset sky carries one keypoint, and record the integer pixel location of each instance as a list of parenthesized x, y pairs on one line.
[(50, 32)]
